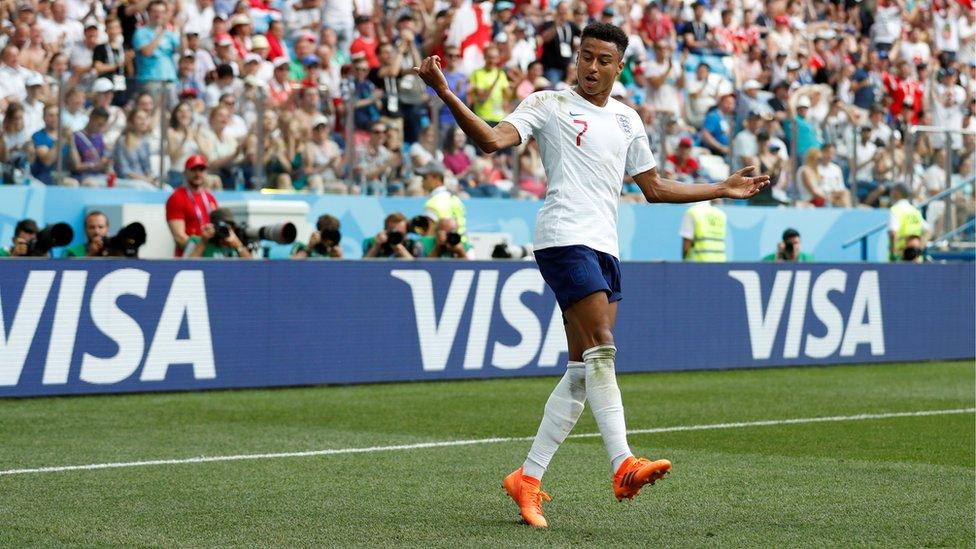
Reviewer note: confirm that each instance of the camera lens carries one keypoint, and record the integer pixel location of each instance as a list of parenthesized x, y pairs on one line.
[(394, 238), (453, 238)]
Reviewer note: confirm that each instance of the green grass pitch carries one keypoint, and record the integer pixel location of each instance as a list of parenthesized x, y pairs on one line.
[(894, 482)]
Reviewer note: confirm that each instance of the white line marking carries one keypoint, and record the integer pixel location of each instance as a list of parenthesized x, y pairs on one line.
[(469, 442)]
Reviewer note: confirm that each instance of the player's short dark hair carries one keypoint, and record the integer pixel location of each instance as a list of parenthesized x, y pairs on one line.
[(790, 233), (607, 33)]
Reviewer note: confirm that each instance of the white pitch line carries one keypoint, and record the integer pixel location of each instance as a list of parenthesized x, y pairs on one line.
[(469, 442)]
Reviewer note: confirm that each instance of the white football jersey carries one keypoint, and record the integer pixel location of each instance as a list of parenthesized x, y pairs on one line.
[(585, 150)]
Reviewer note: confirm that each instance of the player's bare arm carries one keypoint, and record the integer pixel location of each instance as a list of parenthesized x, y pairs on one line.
[(738, 185), (487, 139)]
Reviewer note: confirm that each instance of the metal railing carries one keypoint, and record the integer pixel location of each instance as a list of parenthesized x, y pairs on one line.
[(863, 237)]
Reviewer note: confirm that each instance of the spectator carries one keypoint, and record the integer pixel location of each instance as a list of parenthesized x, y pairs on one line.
[(155, 46), (366, 41), (425, 151), (132, 152), (24, 234), (34, 103), (808, 181), (374, 162), (323, 242), (393, 241), (657, 28), (46, 154), (788, 249), (716, 130), (321, 160), (368, 97), (447, 242), (223, 148), (681, 165), (696, 35), (217, 238), (806, 133), (746, 144), (182, 141), (81, 53), (96, 231), (275, 160), (489, 88), (188, 208), (16, 146), (457, 154), (770, 160), (558, 39), (13, 77), (90, 161), (703, 88), (664, 78), (60, 29), (832, 179), (226, 83)]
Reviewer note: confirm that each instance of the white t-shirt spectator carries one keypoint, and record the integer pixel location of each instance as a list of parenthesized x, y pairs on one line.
[(72, 30), (946, 30), (12, 82), (420, 156), (710, 89), (831, 177), (197, 20), (947, 113), (887, 24), (665, 97), (865, 151), (339, 11), (967, 31), (915, 52), (933, 180), (744, 144)]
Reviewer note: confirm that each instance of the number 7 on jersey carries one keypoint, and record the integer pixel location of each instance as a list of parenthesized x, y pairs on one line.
[(579, 136)]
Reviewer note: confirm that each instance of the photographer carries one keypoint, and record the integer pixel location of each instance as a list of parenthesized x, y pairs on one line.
[(393, 241), (24, 234), (96, 231), (788, 249), (217, 238), (446, 242), (907, 229), (322, 243)]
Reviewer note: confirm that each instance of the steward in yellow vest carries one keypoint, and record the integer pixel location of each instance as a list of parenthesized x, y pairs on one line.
[(904, 223), (706, 240)]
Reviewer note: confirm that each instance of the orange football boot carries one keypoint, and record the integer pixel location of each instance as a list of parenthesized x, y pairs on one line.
[(634, 473), (528, 496)]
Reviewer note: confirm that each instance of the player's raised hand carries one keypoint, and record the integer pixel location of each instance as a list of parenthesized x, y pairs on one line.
[(741, 185), (430, 71)]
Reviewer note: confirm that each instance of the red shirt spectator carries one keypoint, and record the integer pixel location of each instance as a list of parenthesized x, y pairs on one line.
[(367, 42), (188, 208)]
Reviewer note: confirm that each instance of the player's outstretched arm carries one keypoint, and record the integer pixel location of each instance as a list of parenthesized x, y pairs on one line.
[(487, 139), (738, 185)]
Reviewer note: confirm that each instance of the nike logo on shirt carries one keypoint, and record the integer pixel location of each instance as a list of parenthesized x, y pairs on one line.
[(571, 113)]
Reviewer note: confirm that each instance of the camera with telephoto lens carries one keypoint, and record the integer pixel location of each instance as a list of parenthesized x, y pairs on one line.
[(52, 236), (126, 242), (505, 250), (222, 230), (419, 224), (453, 238), (788, 248), (281, 233), (911, 254), (394, 237), (328, 239)]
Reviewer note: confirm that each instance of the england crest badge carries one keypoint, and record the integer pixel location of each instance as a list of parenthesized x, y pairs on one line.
[(624, 122)]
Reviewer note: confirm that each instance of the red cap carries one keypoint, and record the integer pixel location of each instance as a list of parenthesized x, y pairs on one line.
[(685, 142), (223, 39), (195, 161), (781, 20)]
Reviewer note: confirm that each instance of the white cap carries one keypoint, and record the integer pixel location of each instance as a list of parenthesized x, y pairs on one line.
[(793, 66), (252, 57), (279, 61), (34, 79), (803, 102), (102, 85), (319, 120), (752, 85)]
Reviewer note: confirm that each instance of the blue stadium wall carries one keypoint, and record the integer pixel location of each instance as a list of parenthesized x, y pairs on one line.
[(113, 326), (647, 232)]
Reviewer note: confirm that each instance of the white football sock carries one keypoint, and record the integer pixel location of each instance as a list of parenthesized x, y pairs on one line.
[(605, 402), (563, 409)]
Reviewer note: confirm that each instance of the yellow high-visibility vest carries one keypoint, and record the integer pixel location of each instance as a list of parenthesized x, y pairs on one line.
[(910, 223), (709, 242), (443, 203)]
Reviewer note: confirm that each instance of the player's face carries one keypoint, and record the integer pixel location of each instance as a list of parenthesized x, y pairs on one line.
[(598, 65)]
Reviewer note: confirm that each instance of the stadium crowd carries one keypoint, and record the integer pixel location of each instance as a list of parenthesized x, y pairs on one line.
[(319, 95)]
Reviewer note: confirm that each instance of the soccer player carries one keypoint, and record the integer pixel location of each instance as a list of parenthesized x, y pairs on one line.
[(588, 141)]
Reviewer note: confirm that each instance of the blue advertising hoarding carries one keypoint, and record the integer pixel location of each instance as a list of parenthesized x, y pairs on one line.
[(122, 326)]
